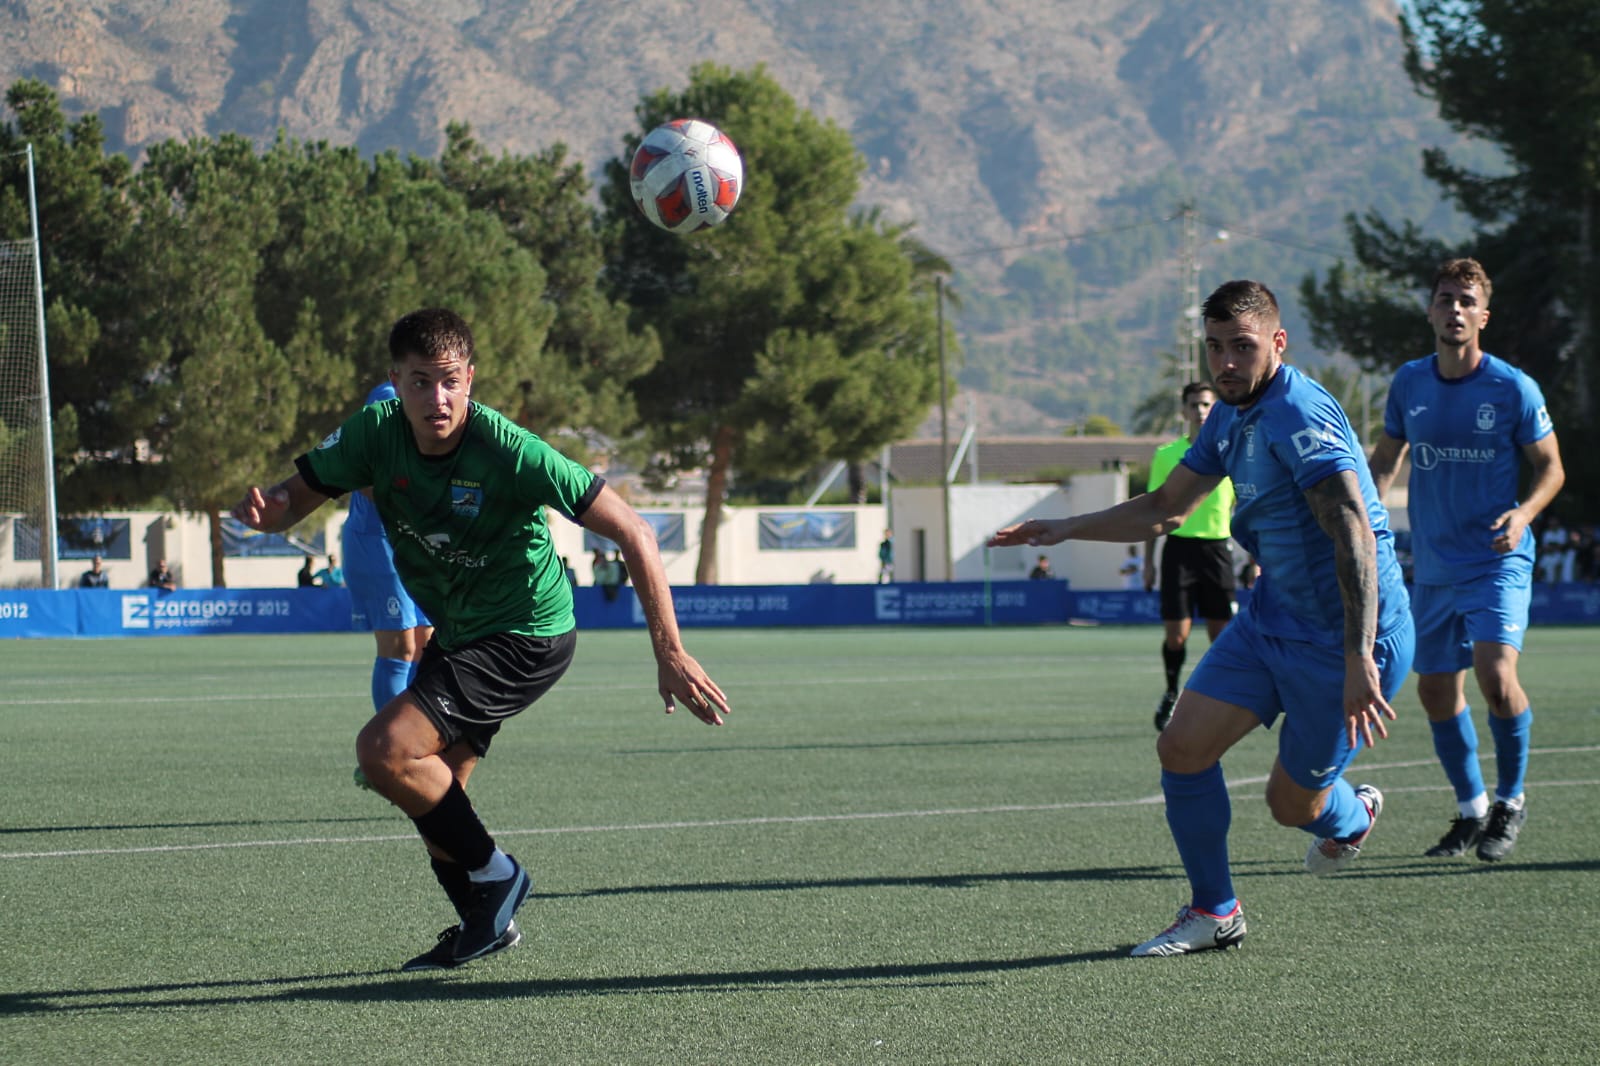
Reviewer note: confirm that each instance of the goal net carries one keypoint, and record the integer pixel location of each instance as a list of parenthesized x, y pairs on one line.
[(27, 487)]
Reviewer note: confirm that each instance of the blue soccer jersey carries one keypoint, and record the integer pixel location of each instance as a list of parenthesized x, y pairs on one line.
[(1291, 438), (363, 517), (1466, 436)]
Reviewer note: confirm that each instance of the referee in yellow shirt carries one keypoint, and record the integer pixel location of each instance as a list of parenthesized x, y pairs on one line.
[(1197, 561)]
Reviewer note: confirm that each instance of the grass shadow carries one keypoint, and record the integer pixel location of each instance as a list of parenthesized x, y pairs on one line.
[(448, 985), (958, 880), (233, 823), (881, 745)]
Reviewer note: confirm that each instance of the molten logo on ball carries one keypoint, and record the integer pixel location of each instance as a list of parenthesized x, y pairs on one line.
[(686, 175)]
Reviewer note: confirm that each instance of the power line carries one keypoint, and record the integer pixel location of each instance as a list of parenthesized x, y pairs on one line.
[(1230, 228), (1320, 249), (1066, 238)]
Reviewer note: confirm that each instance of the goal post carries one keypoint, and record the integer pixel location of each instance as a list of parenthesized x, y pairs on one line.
[(27, 448)]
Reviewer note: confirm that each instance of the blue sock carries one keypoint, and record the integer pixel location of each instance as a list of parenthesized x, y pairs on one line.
[(1343, 817), (1199, 814), (1511, 752), (389, 678), (1456, 743)]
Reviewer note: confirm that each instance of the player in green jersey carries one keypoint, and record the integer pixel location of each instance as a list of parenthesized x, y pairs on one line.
[(462, 494), (1197, 558)]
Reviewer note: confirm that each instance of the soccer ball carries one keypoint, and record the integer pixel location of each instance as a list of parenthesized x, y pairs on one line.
[(686, 175)]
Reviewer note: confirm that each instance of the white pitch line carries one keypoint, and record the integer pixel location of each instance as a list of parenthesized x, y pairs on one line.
[(569, 689), (725, 823)]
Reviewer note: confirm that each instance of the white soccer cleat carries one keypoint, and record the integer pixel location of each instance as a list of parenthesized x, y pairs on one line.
[(1327, 856), (1196, 930)]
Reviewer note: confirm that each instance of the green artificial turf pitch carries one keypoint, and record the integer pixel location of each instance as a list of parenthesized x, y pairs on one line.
[(907, 846)]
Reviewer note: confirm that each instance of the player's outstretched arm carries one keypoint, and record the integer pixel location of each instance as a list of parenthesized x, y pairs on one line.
[(680, 676), (280, 507), (1145, 517)]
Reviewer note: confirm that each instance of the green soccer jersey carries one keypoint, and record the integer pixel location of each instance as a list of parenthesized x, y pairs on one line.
[(468, 528), (1210, 521)]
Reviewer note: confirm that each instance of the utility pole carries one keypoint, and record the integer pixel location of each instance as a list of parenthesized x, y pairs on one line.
[(1189, 326), (944, 434)]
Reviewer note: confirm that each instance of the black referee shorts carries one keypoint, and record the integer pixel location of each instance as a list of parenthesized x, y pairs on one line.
[(1196, 576), (468, 692)]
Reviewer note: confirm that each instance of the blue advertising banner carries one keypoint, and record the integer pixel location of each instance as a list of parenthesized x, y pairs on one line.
[(242, 542), (1572, 604), (185, 612), (190, 612), (959, 603), (667, 526), (1117, 607), (805, 530), (37, 613), (76, 538)]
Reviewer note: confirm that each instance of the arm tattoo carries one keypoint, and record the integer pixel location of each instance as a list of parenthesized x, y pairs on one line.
[(1338, 508)]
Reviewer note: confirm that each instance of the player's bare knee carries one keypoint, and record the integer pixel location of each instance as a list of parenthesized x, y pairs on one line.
[(1289, 812), (1291, 805), (376, 752), (1178, 755), (1500, 690)]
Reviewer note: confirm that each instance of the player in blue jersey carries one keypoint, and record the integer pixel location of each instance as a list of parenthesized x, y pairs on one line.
[(1325, 641), (378, 599), (1470, 420)]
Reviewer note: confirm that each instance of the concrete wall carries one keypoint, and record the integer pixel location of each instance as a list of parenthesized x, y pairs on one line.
[(979, 510), (917, 520), (185, 542)]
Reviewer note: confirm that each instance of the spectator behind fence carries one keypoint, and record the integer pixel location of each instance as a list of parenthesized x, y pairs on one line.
[(332, 575), (162, 578), (94, 577)]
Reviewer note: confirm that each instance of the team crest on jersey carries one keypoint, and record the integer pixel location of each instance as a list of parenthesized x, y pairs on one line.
[(465, 499), (1250, 442), (1485, 417), (331, 439)]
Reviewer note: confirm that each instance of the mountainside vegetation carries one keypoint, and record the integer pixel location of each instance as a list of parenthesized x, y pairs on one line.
[(1047, 152)]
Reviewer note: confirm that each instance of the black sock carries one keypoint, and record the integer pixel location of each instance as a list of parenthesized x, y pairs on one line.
[(454, 828), (1173, 659), (453, 879)]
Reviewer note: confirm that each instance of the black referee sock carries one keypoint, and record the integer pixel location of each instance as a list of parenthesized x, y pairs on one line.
[(453, 827), (452, 877), (1173, 659)]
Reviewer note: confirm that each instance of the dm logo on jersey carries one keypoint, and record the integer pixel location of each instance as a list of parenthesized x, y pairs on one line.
[(1485, 417), (465, 500), (331, 439), (1312, 438), (1542, 420)]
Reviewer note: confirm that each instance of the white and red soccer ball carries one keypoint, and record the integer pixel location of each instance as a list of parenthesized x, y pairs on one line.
[(686, 175)]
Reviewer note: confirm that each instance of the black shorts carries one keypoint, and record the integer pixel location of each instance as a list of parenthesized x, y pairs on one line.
[(468, 692), (1196, 576)]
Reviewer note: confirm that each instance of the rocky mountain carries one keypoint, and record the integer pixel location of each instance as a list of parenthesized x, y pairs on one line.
[(1060, 134)]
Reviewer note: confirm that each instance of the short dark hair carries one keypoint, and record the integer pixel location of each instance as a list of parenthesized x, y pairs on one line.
[(433, 332), (1240, 299), (1197, 386), (1463, 271)]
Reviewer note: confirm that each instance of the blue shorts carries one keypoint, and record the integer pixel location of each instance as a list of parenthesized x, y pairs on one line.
[(1269, 676), (377, 598), (1492, 609)]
